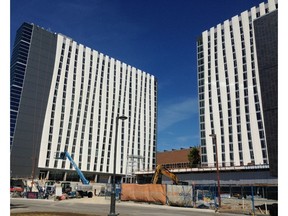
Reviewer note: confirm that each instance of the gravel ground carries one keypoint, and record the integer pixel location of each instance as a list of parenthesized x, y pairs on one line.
[(245, 206)]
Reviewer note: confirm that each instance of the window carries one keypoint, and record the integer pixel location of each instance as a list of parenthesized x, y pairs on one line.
[(260, 125)]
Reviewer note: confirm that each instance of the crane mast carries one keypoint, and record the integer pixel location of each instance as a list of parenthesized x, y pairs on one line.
[(63, 156)]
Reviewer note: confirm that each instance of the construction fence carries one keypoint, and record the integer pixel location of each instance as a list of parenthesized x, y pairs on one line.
[(238, 199), (178, 195)]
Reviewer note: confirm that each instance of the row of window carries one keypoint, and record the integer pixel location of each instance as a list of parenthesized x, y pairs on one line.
[(85, 113), (18, 67), (246, 101)]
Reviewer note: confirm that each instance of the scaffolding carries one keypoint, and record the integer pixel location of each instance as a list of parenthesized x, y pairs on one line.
[(134, 163)]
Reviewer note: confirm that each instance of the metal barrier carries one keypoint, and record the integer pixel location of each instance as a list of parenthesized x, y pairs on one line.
[(245, 199)]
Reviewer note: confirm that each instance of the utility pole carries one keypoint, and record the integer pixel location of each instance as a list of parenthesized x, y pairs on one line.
[(214, 138), (113, 189)]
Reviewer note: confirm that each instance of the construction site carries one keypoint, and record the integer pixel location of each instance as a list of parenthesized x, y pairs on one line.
[(71, 102), (163, 186), (244, 189)]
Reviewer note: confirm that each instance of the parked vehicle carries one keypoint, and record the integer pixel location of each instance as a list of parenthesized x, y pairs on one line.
[(18, 187)]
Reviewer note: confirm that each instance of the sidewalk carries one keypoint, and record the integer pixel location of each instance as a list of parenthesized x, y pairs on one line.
[(106, 201), (94, 199)]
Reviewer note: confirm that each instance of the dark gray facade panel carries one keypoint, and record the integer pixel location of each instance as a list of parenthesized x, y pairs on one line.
[(266, 36), (33, 106)]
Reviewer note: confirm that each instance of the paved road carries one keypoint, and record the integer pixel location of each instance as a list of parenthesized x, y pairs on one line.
[(123, 208)]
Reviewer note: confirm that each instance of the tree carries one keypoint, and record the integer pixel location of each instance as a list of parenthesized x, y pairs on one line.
[(194, 157)]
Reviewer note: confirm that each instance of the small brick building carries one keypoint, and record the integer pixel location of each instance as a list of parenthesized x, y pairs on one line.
[(174, 158)]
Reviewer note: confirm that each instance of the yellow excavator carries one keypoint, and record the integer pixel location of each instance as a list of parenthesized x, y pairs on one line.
[(164, 171)]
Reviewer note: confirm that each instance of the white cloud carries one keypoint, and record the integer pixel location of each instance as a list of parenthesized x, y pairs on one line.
[(173, 113)]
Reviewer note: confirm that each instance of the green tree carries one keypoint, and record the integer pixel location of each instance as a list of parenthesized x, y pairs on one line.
[(194, 157)]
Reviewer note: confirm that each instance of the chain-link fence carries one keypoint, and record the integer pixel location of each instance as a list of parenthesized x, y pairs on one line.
[(246, 199)]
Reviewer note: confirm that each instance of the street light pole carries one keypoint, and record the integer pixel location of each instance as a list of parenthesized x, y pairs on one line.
[(113, 189), (217, 167)]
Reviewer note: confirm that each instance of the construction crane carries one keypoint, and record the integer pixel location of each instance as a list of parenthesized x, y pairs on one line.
[(63, 156), (86, 188)]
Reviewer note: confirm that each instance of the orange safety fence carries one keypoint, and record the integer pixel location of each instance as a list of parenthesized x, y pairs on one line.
[(155, 193)]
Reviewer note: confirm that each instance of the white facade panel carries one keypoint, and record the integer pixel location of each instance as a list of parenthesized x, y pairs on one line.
[(88, 90), (229, 92)]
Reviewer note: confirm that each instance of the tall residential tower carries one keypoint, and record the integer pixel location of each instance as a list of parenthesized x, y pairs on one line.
[(65, 97), (230, 91)]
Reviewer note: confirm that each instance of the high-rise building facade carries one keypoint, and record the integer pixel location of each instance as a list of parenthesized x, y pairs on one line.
[(266, 39), (230, 102), (66, 97)]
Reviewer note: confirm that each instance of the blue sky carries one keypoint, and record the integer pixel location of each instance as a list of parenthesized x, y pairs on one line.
[(156, 36)]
